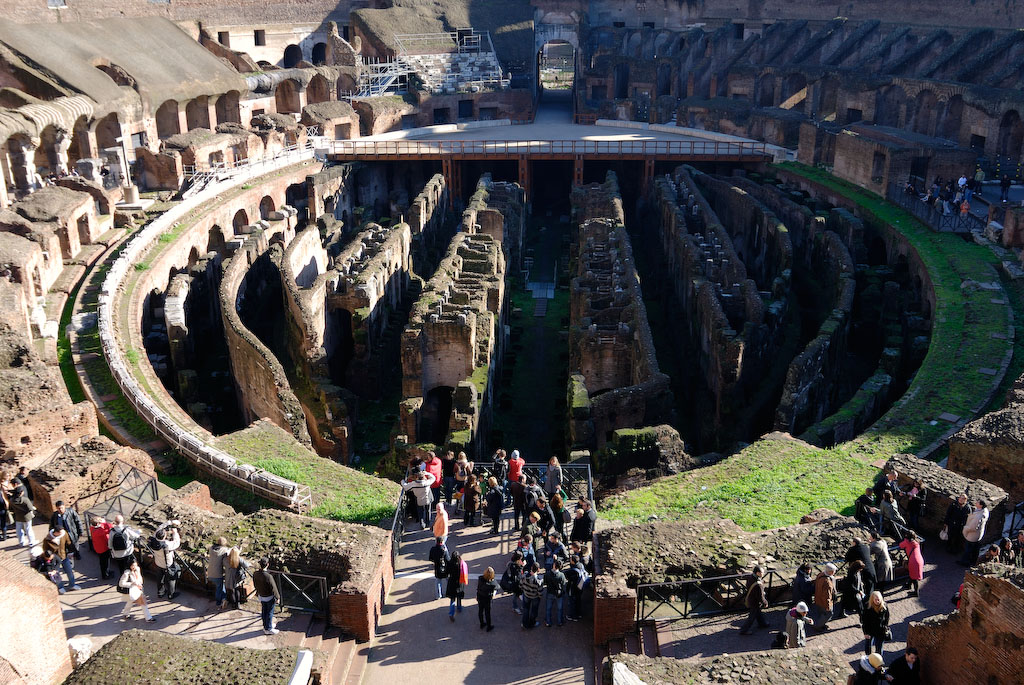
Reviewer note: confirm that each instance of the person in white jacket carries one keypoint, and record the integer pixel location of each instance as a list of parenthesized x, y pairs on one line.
[(974, 531), (168, 540), (419, 483)]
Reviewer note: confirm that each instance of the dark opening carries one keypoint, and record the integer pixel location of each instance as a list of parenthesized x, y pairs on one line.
[(488, 113), (435, 414), (648, 24), (224, 38), (292, 56), (441, 115), (259, 37), (854, 115), (977, 142), (320, 54), (465, 109), (619, 24), (737, 31), (877, 167), (621, 81), (598, 92), (344, 347)]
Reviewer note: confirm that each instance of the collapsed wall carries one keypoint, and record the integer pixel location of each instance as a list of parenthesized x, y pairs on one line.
[(33, 642), (354, 559), (453, 345), (615, 381), (498, 208), (985, 631)]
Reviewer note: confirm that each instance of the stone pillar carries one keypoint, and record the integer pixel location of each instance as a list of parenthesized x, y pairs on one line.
[(182, 118), (23, 163), (211, 112), (88, 145), (60, 151)]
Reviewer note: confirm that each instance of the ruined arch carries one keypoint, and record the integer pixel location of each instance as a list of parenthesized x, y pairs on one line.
[(318, 90), (46, 154), (952, 117), (925, 113), (216, 241), (227, 108), (346, 85), (764, 91), (888, 104), (118, 75), (108, 130), (167, 122), (197, 113), (292, 56), (1011, 135), (663, 84), (239, 221), (193, 257), (267, 205), (79, 140), (319, 54), (286, 97)]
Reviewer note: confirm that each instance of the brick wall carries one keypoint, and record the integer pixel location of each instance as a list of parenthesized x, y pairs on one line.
[(980, 643), (614, 610), (357, 610), (32, 637)]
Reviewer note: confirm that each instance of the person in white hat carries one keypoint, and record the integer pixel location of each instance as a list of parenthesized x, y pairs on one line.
[(870, 670), (797, 621)]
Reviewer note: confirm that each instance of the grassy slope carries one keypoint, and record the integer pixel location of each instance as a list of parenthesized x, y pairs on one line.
[(772, 483), (339, 493)]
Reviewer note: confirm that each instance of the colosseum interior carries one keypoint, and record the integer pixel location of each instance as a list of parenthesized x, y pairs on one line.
[(727, 262)]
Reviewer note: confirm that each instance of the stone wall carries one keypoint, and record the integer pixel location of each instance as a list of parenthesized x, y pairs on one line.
[(454, 342), (610, 344), (86, 474), (821, 665), (981, 641), (33, 644), (992, 446), (943, 487), (498, 208)]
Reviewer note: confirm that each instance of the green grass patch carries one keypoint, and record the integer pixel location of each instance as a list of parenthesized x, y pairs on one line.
[(64, 358), (339, 493)]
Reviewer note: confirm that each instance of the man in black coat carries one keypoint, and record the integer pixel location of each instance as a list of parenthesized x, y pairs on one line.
[(865, 510), (956, 519), (583, 523), (860, 550), (23, 478), (68, 519), (440, 557), (906, 670)]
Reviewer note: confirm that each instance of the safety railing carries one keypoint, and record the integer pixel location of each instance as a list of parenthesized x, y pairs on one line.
[(202, 455), (133, 490), (576, 479), (514, 149), (301, 592), (397, 528), (954, 222), (226, 170)]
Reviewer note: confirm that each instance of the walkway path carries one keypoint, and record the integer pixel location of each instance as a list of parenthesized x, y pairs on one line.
[(720, 634), (417, 643)]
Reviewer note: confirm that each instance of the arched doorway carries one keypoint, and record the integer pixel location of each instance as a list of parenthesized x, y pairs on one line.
[(887, 106), (79, 141), (286, 97), (215, 240), (108, 130), (343, 347), (197, 113), (318, 90), (319, 54), (952, 117), (227, 108), (1011, 135), (924, 113), (266, 207), (292, 56), (556, 66), (240, 221), (167, 123), (346, 86)]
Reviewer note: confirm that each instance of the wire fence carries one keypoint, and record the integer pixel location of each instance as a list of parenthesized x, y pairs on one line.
[(955, 221)]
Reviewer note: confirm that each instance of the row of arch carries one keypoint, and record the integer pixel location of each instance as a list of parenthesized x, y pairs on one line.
[(293, 55), (197, 114)]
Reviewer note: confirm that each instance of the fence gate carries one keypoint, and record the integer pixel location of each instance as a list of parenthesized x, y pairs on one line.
[(302, 592)]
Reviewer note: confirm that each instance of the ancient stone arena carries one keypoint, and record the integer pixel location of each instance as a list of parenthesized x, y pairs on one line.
[(547, 342)]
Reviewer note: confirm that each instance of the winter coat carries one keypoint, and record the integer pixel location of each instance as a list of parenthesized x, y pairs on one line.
[(234, 577), (70, 522), (553, 481), (875, 623), (915, 562), (456, 572), (862, 552), (756, 598), (421, 489), (956, 517), (216, 561), (22, 506), (439, 557), (555, 583), (434, 469), (883, 562), (59, 544), (890, 512), (500, 470), (515, 468), (853, 591), (532, 586), (495, 501), (547, 518), (867, 675), (803, 588), (165, 558), (974, 529), (903, 674), (441, 523), (130, 536), (554, 551), (101, 537), (485, 590), (265, 586), (471, 499), (796, 629), (518, 491), (825, 591), (583, 527)]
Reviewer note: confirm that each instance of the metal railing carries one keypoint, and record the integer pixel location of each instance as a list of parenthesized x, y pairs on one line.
[(301, 592), (134, 490), (576, 479), (514, 149), (955, 222), (226, 170), (397, 528)]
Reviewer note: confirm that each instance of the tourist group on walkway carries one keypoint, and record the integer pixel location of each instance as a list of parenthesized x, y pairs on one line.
[(551, 564)]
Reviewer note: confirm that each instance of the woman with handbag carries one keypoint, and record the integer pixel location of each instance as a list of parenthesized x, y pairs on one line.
[(131, 584), (875, 623), (458, 579)]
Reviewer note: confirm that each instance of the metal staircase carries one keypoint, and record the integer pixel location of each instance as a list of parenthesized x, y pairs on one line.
[(380, 77)]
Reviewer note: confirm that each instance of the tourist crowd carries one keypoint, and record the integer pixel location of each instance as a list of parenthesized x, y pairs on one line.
[(551, 564), (954, 196)]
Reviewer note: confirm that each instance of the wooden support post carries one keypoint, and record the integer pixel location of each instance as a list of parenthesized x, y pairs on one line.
[(524, 174), (648, 176), (577, 170)]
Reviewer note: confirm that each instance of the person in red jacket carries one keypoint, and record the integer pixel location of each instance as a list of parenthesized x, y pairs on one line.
[(515, 467), (433, 467), (99, 533)]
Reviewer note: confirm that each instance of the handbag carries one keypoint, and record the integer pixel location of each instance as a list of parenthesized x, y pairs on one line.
[(888, 634), (944, 533)]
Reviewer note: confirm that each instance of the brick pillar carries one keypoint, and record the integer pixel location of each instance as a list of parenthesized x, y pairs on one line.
[(211, 112), (182, 119)]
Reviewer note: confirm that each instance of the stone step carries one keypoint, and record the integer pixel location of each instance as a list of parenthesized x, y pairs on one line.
[(358, 666), (314, 634), (600, 656), (649, 640), (344, 655), (294, 629)]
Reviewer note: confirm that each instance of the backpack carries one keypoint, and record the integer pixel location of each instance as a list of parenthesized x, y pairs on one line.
[(241, 574), (555, 584), (119, 541), (441, 566), (156, 545), (507, 582)]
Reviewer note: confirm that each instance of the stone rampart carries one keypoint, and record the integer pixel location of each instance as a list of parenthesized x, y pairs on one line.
[(498, 208)]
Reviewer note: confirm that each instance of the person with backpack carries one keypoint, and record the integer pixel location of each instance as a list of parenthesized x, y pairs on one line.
[(68, 519), (532, 587), (268, 594), (495, 502), (122, 543), (99, 533), (215, 569), (485, 589), (577, 578), (458, 579), (164, 542), (236, 572), (24, 511), (554, 585), (512, 578), (757, 602), (448, 475), (130, 584), (463, 469), (440, 558)]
